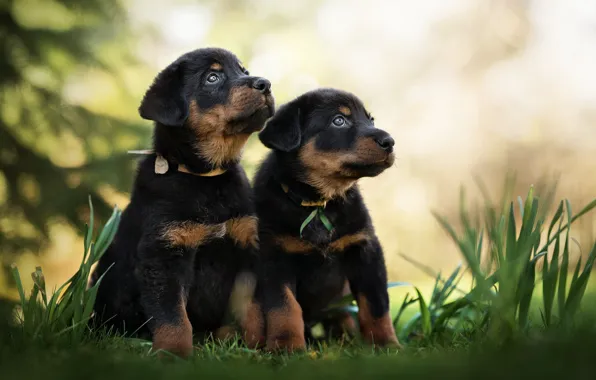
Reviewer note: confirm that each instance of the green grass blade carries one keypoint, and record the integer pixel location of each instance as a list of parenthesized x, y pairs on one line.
[(563, 277), (435, 293), (308, 219), (424, 314), (89, 231), (39, 281), (469, 255), (578, 286), (549, 283), (404, 305), (555, 219), (90, 296), (19, 284), (107, 235), (530, 230), (526, 290), (589, 207), (449, 286), (521, 206), (511, 236)]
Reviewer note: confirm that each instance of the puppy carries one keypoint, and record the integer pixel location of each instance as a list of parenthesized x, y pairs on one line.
[(190, 227), (315, 231)]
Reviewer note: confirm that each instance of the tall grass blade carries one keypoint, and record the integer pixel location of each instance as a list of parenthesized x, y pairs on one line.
[(549, 283), (589, 207), (469, 255), (89, 231), (563, 277), (424, 314), (404, 305), (107, 235), (578, 287), (19, 284)]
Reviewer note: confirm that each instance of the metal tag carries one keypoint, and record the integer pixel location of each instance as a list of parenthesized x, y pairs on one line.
[(161, 165)]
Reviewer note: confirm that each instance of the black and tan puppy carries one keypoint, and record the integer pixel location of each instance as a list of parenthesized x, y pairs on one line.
[(315, 231), (190, 226)]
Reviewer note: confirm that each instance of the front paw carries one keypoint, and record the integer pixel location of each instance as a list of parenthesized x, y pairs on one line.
[(287, 341), (173, 339), (379, 332)]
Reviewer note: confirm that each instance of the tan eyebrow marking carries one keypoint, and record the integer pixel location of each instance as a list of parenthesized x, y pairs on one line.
[(216, 66), (345, 110)]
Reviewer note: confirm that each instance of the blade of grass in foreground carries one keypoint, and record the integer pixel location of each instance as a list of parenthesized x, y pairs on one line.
[(564, 268), (425, 315), (578, 287)]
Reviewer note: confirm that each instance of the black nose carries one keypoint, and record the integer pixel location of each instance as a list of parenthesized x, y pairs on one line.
[(385, 141), (262, 84)]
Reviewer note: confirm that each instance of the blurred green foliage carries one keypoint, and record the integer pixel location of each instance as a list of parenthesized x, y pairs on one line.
[(55, 151)]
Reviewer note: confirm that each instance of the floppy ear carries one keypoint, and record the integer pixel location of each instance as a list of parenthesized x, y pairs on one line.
[(166, 100), (282, 131)]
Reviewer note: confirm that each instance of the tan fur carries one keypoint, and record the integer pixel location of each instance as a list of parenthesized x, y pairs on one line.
[(325, 170), (215, 143), (244, 231), (253, 326), (345, 110), (285, 326), (292, 244), (191, 234), (347, 240), (377, 331), (216, 66), (348, 325), (245, 310), (225, 333), (177, 338)]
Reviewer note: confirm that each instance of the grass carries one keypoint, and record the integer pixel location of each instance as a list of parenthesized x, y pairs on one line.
[(517, 307)]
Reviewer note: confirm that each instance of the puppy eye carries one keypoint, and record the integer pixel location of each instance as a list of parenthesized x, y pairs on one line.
[(339, 121), (212, 78)]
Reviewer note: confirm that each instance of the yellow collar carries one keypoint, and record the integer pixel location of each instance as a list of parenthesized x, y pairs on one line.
[(212, 173), (304, 203), (161, 165)]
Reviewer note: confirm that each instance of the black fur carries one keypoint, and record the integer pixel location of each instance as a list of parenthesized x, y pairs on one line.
[(317, 276), (142, 290)]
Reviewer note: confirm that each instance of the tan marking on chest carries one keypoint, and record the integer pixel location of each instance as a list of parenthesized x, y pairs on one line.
[(244, 231), (293, 244), (348, 240), (192, 234)]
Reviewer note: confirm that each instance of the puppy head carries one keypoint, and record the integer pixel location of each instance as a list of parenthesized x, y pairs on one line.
[(329, 139), (208, 96)]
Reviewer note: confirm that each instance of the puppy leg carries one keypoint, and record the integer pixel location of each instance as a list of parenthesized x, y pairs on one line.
[(285, 325), (246, 310), (164, 275), (367, 275)]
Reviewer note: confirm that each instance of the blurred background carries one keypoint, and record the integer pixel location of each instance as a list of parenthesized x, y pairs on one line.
[(466, 87)]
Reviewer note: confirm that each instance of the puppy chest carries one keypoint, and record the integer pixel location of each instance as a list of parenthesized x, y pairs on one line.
[(318, 286)]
